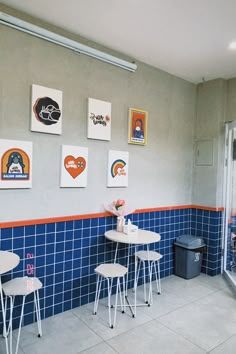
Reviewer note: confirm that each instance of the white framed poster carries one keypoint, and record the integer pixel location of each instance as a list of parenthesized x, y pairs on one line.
[(117, 171), (15, 164), (74, 166), (46, 110), (99, 119)]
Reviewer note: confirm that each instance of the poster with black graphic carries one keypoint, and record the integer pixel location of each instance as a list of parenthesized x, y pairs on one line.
[(46, 110), (15, 164), (99, 119)]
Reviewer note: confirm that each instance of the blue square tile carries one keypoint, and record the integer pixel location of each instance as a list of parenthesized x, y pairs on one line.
[(50, 227), (86, 223), (40, 229), (40, 250), (67, 305), (77, 234), (18, 231), (69, 235), (18, 242), (6, 233), (78, 224), (69, 225), (60, 226), (30, 230), (94, 222), (57, 309)]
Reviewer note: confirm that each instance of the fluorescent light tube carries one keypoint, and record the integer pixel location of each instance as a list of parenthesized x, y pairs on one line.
[(42, 33)]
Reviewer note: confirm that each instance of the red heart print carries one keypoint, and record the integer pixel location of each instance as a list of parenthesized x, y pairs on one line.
[(74, 166)]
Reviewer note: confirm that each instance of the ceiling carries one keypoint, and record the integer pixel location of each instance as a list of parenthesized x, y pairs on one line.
[(187, 38)]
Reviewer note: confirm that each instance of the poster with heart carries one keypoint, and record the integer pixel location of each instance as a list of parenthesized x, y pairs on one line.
[(15, 164), (74, 166), (117, 172), (46, 110)]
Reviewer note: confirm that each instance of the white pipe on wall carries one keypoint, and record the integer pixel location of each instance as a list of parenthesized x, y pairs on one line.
[(42, 33)]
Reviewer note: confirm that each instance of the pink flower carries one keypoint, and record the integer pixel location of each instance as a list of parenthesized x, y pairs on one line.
[(107, 118), (119, 208)]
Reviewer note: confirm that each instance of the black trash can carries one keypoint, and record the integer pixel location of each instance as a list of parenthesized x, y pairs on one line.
[(188, 256)]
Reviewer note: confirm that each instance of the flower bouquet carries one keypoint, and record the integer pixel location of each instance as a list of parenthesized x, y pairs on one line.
[(120, 209)]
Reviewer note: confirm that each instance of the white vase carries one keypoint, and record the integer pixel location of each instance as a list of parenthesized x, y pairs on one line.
[(120, 223)]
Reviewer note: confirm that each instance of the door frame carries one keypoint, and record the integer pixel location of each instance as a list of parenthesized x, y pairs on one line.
[(227, 198)]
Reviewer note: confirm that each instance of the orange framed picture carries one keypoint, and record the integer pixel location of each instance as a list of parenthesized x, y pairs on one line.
[(137, 126)]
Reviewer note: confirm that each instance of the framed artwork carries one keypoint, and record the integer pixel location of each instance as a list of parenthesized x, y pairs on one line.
[(46, 110), (137, 126), (15, 164), (117, 171), (74, 166), (99, 119)]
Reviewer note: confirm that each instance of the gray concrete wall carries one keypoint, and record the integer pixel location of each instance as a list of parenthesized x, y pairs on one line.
[(160, 173), (209, 125)]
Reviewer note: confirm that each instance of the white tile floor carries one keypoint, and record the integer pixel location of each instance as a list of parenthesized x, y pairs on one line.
[(196, 316)]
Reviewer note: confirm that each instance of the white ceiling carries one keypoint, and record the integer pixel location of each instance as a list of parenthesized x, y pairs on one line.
[(188, 38)]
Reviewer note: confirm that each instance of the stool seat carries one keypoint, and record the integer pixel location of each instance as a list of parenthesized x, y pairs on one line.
[(21, 286), (148, 255), (111, 270)]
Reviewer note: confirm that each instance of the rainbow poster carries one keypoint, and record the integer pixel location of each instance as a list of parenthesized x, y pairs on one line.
[(118, 169)]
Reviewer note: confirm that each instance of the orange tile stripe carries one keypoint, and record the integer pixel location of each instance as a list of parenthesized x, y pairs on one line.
[(98, 215)]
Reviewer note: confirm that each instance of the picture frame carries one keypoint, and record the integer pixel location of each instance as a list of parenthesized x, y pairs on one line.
[(15, 164), (74, 166), (117, 169), (46, 110), (99, 119), (137, 130)]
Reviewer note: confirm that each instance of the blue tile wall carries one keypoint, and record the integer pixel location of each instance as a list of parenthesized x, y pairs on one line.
[(64, 255), (208, 225)]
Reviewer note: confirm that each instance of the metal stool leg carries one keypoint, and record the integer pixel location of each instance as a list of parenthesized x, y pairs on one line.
[(124, 293), (96, 295), (10, 322), (144, 283), (20, 325), (150, 297), (109, 300), (117, 289), (3, 317), (158, 278), (38, 315), (121, 301)]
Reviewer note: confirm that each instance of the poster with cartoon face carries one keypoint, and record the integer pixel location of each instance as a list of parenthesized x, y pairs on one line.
[(99, 119), (15, 164), (46, 110), (74, 166), (117, 172)]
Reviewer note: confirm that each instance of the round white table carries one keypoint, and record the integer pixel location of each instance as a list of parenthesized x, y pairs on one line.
[(139, 237), (8, 261)]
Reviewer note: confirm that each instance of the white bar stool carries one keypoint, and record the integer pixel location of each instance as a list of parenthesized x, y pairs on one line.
[(22, 287), (110, 271), (153, 258), (8, 261)]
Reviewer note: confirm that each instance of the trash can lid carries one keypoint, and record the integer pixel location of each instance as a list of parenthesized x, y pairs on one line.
[(189, 241)]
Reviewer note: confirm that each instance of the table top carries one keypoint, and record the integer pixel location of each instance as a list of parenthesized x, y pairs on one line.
[(8, 261), (140, 237)]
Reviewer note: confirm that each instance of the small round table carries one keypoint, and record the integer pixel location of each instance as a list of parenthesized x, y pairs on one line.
[(8, 261), (139, 237)]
